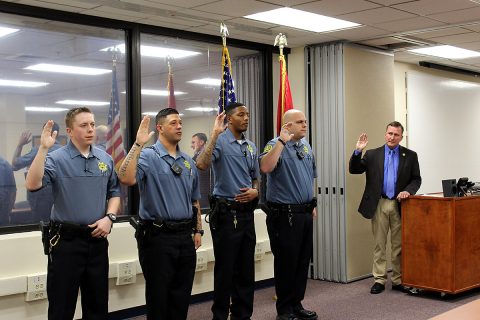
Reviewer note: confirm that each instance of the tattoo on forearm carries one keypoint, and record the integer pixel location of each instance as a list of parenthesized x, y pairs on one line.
[(127, 160)]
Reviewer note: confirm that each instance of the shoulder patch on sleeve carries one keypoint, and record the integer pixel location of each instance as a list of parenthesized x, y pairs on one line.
[(268, 147)]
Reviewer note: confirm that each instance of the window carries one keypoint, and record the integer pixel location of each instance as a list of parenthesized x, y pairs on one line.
[(48, 67)]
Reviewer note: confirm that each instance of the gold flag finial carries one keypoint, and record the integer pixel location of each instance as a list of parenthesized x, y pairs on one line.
[(281, 42)]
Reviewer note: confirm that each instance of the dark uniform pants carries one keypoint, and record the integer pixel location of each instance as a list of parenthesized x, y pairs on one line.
[(292, 249), (234, 273), (78, 262), (168, 263)]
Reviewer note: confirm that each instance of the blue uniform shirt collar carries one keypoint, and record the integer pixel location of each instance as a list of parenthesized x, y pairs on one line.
[(73, 151), (162, 152), (231, 138)]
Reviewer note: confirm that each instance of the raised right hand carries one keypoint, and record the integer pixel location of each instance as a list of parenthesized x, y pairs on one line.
[(285, 134), (362, 142), (219, 125), (25, 138), (47, 139), (142, 134)]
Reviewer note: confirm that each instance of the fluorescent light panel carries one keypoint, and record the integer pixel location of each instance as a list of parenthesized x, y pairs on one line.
[(83, 103), (206, 81), (45, 109), (6, 31), (21, 84), (163, 93), (300, 19), (67, 69), (157, 52), (447, 52), (201, 109)]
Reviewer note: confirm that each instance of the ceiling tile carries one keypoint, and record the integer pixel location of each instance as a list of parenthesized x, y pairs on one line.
[(111, 15), (311, 39), (470, 45), (124, 12), (194, 13), (72, 3), (51, 5), (390, 2), (177, 3), (458, 38), (410, 24), (236, 8), (447, 31), (474, 27), (288, 3), (427, 7), (459, 16), (170, 22), (375, 16), (250, 22), (336, 7), (141, 5), (291, 32), (360, 33)]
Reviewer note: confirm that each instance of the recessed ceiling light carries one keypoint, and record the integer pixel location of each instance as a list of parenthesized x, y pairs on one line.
[(83, 103), (21, 84), (45, 109), (206, 81), (68, 69), (153, 114), (163, 93), (300, 19), (157, 52), (459, 84), (201, 109), (447, 52), (5, 31)]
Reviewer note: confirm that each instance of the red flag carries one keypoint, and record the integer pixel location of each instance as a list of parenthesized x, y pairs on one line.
[(285, 95), (171, 92)]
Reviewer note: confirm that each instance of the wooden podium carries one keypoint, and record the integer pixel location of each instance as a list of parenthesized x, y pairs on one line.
[(441, 243)]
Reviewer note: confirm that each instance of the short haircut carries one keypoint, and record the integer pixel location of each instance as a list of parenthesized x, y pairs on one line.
[(232, 106), (395, 124), (162, 114), (200, 135), (72, 113)]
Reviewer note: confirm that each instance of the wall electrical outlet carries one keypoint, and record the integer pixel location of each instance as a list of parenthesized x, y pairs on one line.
[(126, 273), (202, 261), (36, 287)]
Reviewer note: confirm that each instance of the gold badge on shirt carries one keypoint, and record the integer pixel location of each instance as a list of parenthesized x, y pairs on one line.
[(102, 166), (305, 149), (187, 164)]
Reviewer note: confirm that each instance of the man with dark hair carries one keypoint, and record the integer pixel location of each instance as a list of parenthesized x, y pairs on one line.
[(235, 196), (86, 198), (8, 191), (198, 145), (290, 166), (41, 201), (169, 215), (392, 174)]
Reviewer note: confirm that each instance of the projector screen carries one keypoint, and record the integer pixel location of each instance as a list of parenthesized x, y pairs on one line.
[(443, 127)]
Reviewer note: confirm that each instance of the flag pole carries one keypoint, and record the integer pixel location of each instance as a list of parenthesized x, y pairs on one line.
[(224, 33), (284, 99)]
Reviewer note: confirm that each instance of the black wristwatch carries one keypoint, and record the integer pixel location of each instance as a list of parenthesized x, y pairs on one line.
[(200, 231), (112, 217)]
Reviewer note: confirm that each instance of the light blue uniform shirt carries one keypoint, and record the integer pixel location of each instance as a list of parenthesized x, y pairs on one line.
[(81, 186), (162, 193), (234, 165), (291, 182), (27, 159)]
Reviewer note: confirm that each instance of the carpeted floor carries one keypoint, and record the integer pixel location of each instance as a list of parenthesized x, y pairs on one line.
[(353, 301)]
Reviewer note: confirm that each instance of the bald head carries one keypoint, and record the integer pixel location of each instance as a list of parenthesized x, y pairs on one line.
[(296, 123), (101, 132)]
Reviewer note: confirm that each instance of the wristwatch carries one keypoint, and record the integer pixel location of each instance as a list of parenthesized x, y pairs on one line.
[(200, 231), (112, 217)]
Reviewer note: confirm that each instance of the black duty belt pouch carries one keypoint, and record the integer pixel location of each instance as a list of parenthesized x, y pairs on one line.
[(45, 229)]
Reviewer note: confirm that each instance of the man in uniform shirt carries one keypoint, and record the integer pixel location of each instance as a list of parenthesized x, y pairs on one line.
[(41, 201), (8, 191), (392, 174), (86, 198), (198, 145), (290, 167), (235, 196), (168, 182)]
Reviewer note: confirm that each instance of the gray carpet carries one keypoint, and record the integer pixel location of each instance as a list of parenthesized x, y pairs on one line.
[(353, 301)]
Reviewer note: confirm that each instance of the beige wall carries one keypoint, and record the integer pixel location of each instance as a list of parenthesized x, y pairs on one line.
[(369, 105)]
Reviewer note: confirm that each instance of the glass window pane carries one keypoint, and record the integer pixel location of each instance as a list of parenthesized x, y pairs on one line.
[(196, 69), (48, 67)]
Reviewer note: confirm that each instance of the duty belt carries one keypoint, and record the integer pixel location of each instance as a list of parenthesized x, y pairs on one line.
[(168, 226), (71, 230), (291, 208)]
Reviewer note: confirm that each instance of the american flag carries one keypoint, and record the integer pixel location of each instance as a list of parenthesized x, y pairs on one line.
[(227, 92), (171, 92), (114, 136)]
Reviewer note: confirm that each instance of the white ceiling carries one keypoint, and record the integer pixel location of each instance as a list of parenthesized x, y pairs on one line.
[(390, 24)]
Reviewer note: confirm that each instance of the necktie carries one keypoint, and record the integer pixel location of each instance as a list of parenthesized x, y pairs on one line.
[(390, 175)]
